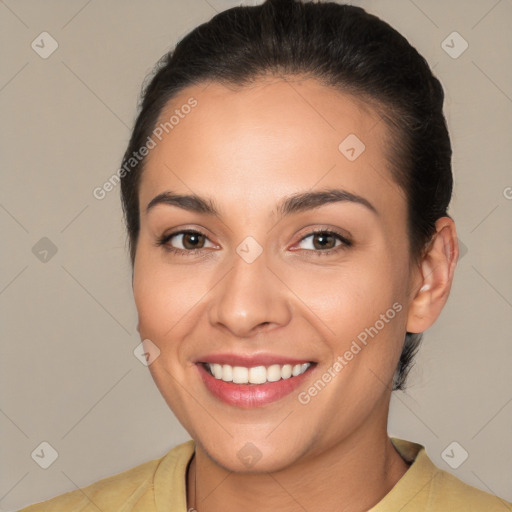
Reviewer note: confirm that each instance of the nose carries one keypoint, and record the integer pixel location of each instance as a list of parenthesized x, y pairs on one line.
[(249, 299)]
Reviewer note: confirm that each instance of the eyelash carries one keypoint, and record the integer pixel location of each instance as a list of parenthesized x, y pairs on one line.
[(163, 242)]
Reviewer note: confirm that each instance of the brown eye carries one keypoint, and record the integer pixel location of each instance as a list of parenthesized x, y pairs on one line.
[(324, 242), (193, 240), (184, 241)]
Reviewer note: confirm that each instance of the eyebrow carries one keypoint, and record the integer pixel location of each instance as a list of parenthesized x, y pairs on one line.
[(296, 203)]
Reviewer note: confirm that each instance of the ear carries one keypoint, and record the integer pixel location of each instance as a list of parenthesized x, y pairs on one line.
[(437, 269)]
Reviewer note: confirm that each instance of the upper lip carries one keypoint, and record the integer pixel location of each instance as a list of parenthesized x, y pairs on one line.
[(249, 361)]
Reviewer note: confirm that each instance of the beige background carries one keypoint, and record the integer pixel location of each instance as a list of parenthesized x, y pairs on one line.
[(68, 373)]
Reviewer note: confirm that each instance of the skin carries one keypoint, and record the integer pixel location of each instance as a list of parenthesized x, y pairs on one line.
[(271, 140)]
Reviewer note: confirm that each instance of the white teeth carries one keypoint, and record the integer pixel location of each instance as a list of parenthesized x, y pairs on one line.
[(240, 375), (227, 373), (274, 373), (256, 374), (217, 371), (286, 371)]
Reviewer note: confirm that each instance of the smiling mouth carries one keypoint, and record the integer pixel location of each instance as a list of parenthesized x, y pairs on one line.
[(255, 374)]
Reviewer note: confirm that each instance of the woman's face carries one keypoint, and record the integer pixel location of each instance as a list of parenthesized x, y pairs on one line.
[(262, 289)]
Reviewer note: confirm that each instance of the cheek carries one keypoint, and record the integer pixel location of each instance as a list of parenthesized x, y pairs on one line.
[(166, 297), (359, 310), (156, 297), (348, 297)]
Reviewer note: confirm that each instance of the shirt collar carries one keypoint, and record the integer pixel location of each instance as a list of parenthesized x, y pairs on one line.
[(170, 478)]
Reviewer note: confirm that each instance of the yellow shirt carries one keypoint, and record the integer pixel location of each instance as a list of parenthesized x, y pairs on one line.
[(159, 486)]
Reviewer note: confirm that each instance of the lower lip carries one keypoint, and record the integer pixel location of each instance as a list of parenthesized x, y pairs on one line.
[(248, 396)]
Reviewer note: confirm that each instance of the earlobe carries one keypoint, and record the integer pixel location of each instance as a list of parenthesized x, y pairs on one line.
[(437, 270)]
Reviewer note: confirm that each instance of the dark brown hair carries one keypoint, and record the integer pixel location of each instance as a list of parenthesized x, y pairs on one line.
[(341, 46)]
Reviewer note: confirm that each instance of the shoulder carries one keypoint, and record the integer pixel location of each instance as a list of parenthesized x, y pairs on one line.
[(130, 490), (108, 491), (431, 489), (453, 494)]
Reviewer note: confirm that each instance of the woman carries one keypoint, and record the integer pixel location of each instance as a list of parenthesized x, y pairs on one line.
[(285, 191)]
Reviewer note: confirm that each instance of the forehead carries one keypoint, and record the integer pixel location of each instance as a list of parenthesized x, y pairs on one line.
[(267, 140)]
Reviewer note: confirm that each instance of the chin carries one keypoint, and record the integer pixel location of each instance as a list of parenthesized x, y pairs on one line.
[(241, 455), (249, 458)]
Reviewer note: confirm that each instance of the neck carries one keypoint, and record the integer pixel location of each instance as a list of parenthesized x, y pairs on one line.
[(351, 476)]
